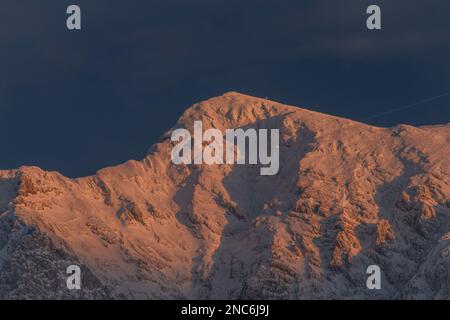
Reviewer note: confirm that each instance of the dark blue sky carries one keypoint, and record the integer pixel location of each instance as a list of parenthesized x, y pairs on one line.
[(78, 101)]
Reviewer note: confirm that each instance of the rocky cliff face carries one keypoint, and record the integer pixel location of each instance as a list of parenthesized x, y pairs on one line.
[(347, 195)]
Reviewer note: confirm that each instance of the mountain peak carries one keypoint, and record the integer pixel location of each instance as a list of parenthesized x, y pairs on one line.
[(235, 110), (347, 195)]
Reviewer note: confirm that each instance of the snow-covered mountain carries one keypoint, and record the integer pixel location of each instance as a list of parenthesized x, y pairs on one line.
[(347, 195)]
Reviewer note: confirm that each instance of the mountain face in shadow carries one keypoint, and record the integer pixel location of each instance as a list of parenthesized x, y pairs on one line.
[(347, 195)]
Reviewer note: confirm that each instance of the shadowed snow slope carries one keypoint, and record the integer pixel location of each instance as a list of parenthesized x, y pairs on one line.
[(347, 195)]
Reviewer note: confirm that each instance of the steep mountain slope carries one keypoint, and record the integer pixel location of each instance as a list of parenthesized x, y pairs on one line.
[(348, 195)]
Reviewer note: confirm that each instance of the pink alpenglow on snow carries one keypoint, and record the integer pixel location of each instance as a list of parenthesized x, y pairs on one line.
[(345, 196)]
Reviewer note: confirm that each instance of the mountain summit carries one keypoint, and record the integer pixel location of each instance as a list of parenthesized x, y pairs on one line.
[(347, 196)]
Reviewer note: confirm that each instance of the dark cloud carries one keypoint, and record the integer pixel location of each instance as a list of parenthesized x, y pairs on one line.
[(77, 101)]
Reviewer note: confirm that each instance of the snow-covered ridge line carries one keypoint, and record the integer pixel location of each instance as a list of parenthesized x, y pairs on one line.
[(347, 195)]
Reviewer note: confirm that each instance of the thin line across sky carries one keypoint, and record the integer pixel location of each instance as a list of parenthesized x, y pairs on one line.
[(407, 106)]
